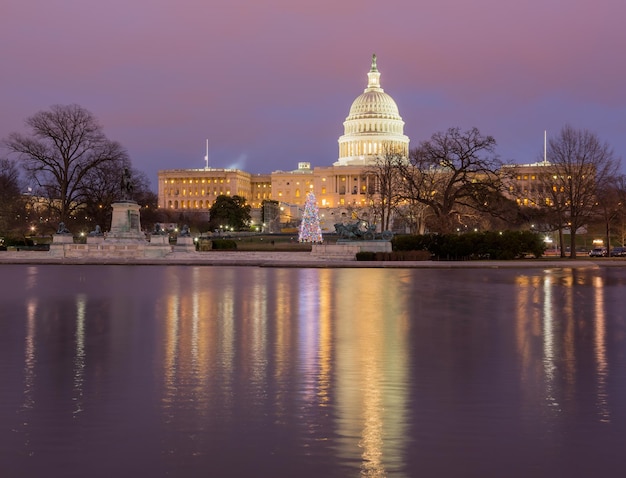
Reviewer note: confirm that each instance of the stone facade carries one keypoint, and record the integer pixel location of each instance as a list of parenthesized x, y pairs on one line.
[(372, 128)]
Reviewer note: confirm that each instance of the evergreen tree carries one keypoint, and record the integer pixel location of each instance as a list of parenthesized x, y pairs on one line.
[(231, 212), (310, 230)]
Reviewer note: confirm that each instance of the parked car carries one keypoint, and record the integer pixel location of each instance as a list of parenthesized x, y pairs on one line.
[(598, 252), (618, 252)]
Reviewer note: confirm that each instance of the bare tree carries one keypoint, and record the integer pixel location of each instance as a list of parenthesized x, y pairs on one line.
[(412, 214), (102, 184), (611, 201), (452, 171), (387, 192), (581, 166), (65, 145), (621, 217), (12, 204)]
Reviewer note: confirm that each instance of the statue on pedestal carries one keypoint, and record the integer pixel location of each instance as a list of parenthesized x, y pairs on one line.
[(126, 185), (97, 232), (62, 229), (361, 231)]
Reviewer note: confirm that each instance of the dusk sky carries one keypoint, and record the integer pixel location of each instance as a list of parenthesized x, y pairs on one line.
[(269, 83)]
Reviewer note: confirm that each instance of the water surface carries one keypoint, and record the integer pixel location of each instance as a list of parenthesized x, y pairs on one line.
[(236, 371)]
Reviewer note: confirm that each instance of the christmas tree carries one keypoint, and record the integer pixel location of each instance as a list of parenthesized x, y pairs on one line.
[(310, 230)]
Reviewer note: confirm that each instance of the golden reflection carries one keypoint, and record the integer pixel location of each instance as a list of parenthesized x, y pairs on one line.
[(549, 358), (31, 277), (30, 355), (171, 349), (372, 434), (200, 334), (254, 330), (372, 326), (30, 361), (557, 299), (566, 317), (195, 321), (79, 357), (333, 330), (324, 354), (600, 350), (528, 322), (308, 327), (283, 312), (226, 332), (190, 334), (545, 313)]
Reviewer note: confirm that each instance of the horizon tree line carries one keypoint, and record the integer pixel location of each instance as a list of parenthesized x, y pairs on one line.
[(455, 181), (452, 182)]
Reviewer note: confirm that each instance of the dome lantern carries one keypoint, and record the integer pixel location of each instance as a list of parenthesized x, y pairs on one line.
[(373, 77)]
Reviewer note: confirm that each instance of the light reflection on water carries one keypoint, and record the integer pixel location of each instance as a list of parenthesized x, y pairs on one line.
[(182, 371)]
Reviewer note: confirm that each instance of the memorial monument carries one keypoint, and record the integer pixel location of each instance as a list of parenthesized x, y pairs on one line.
[(125, 238), (125, 221), (355, 237)]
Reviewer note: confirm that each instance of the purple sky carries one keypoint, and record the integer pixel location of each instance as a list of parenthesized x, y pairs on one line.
[(270, 82)]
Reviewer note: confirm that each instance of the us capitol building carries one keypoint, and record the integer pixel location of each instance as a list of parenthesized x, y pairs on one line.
[(372, 127)]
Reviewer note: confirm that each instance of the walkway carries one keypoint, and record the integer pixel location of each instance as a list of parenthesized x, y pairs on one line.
[(304, 260)]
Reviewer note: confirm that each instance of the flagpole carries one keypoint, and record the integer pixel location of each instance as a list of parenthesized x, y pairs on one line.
[(206, 156)]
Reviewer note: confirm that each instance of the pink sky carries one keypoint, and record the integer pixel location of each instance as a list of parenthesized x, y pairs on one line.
[(269, 83)]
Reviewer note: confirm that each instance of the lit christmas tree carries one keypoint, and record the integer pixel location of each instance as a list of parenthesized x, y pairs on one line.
[(310, 230)]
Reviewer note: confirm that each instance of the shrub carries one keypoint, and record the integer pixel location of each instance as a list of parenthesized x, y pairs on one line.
[(393, 256), (365, 256), (223, 244), (421, 255), (411, 243), (504, 245)]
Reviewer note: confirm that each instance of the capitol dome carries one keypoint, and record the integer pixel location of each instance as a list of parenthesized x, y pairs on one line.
[(374, 104), (373, 126)]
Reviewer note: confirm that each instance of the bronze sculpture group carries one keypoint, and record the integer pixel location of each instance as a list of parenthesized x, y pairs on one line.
[(361, 231)]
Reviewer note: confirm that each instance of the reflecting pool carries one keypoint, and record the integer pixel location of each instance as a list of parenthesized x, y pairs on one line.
[(249, 371)]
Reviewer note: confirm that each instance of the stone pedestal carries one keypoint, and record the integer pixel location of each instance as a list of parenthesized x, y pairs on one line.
[(62, 239), (185, 244), (125, 239), (347, 250), (159, 239), (59, 242), (95, 239), (159, 246), (125, 223)]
